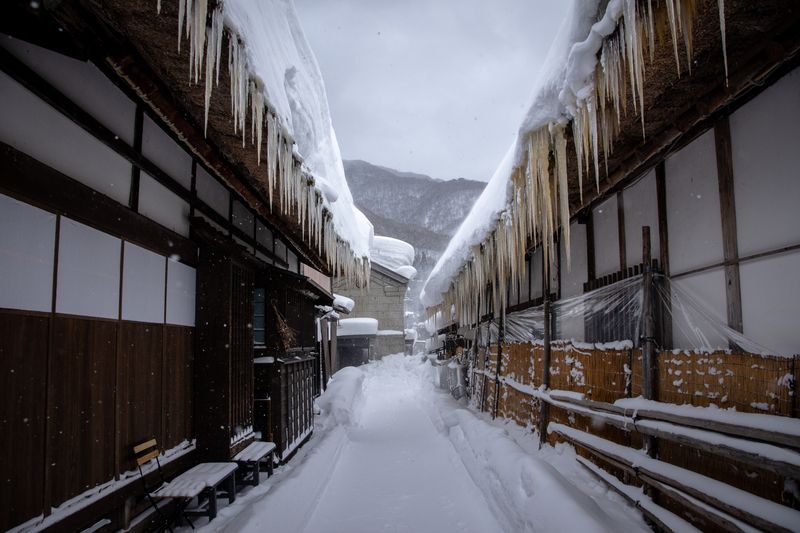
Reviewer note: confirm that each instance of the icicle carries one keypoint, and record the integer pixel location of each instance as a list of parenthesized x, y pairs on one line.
[(560, 145), (673, 31), (721, 8), (213, 47), (181, 15), (158, 7), (590, 106)]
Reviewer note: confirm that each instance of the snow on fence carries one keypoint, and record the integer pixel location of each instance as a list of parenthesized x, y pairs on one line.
[(587, 379)]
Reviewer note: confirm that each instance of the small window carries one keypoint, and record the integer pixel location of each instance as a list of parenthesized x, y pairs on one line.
[(264, 236), (294, 264), (259, 317), (280, 250), (242, 218)]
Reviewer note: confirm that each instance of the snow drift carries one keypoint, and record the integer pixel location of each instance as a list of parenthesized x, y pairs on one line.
[(339, 400), (530, 493)]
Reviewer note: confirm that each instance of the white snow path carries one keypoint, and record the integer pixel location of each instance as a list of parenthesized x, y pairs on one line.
[(392, 453), (398, 473)]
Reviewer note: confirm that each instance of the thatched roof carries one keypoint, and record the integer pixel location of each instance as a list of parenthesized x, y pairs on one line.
[(142, 47), (680, 97), (760, 37)]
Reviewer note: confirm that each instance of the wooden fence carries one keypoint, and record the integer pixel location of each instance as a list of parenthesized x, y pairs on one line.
[(291, 391), (586, 380)]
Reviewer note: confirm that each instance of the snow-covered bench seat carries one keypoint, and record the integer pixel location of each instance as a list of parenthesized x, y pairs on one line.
[(250, 458), (202, 481)]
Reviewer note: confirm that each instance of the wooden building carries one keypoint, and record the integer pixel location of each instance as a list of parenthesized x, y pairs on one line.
[(147, 255), (690, 131)]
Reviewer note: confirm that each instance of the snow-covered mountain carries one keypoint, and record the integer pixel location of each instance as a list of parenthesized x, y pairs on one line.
[(416, 208), (435, 205)]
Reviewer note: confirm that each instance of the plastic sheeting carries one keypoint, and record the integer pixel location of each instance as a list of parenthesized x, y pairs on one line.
[(607, 314), (613, 314), (696, 327)]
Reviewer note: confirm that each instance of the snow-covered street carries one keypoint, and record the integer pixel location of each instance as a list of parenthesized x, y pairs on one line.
[(391, 452)]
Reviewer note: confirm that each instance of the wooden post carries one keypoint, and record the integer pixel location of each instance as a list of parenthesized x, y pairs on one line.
[(727, 205), (486, 363), (623, 260), (500, 337), (544, 413), (649, 366)]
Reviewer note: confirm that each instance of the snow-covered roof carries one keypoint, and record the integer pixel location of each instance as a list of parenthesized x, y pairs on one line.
[(280, 57), (343, 302), (279, 108), (597, 56), (544, 106), (357, 327), (393, 254)]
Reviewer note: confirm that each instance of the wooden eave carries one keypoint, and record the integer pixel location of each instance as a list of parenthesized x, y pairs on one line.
[(763, 40), (138, 49)]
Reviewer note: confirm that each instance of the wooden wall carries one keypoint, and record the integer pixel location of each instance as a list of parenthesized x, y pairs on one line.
[(77, 394), (224, 366), (748, 382)]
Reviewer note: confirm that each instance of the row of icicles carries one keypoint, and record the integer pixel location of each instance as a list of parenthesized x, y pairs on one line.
[(287, 184), (539, 204)]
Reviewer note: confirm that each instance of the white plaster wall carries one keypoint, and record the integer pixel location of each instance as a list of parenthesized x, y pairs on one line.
[(641, 209), (81, 82), (693, 328), (143, 279), (88, 271), (765, 141), (573, 277), (212, 192), (158, 203), (606, 237), (33, 127), (694, 224), (27, 250), (264, 235), (181, 281), (158, 147), (242, 218), (771, 302)]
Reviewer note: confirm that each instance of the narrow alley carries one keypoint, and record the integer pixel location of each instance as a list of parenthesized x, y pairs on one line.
[(394, 453)]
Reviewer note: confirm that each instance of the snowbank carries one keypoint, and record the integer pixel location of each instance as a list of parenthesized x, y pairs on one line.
[(340, 398), (282, 60), (350, 327), (394, 254), (343, 302), (530, 493)]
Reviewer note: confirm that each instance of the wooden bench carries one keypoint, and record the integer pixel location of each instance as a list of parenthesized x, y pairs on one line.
[(250, 458), (202, 481)]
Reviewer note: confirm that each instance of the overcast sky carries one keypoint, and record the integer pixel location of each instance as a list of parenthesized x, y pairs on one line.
[(431, 86)]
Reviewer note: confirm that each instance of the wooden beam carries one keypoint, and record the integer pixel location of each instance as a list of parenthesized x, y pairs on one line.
[(623, 260), (138, 125), (29, 180), (590, 257), (727, 205)]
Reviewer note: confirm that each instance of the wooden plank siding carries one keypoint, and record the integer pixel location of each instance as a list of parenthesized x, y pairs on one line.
[(241, 346), (140, 392), (23, 367), (177, 379), (77, 398), (223, 377), (80, 406)]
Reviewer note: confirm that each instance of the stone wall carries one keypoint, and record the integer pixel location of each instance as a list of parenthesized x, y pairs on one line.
[(385, 302)]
